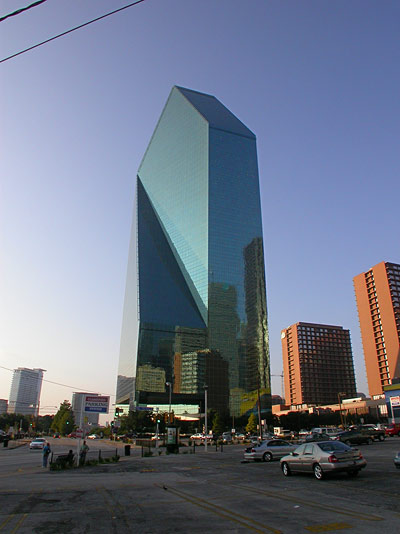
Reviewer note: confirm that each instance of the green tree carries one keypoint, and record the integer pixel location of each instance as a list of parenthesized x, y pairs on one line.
[(63, 421), (140, 421), (251, 424), (217, 424), (44, 423)]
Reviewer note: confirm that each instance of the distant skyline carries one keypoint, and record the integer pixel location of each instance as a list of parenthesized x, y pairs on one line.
[(318, 84)]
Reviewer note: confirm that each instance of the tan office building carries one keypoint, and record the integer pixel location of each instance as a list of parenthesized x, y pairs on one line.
[(317, 364), (378, 302)]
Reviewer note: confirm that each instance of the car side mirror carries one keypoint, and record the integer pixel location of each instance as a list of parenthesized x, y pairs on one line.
[(293, 454)]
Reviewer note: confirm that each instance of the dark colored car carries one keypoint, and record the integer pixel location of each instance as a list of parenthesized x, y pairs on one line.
[(317, 436), (354, 437), (323, 458), (377, 434)]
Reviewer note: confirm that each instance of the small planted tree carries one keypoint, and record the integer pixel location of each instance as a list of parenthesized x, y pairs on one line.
[(251, 424), (217, 426)]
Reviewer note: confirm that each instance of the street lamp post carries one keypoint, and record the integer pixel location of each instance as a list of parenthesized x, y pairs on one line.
[(340, 407), (169, 384), (205, 417)]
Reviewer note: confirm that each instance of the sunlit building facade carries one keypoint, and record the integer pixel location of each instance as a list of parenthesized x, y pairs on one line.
[(26, 387), (318, 364), (378, 301), (196, 280)]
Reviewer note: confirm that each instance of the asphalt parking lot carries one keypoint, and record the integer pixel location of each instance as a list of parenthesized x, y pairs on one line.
[(213, 492)]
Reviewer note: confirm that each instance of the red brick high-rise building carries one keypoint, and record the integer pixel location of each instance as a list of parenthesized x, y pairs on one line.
[(378, 302), (317, 364)]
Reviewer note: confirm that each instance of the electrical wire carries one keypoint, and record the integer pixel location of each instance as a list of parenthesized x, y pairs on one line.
[(71, 30), (22, 9), (78, 390)]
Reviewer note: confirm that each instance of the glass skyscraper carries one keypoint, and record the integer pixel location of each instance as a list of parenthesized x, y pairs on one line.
[(195, 292)]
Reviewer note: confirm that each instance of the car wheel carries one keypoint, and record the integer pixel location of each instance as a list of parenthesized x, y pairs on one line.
[(369, 441), (381, 438), (286, 469), (353, 473), (318, 473), (267, 457)]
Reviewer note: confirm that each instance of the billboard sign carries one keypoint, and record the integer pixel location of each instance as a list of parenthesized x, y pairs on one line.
[(96, 404)]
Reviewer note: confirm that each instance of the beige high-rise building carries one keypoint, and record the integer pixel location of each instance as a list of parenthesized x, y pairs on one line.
[(378, 302), (317, 364)]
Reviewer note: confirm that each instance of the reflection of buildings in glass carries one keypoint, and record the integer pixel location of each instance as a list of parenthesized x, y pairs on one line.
[(150, 378), (257, 361), (223, 327), (193, 370), (189, 339), (198, 207), (125, 389)]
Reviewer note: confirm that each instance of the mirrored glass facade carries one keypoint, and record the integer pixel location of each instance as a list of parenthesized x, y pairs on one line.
[(195, 304)]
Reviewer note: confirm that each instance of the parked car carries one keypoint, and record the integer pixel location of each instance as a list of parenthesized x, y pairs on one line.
[(56, 435), (322, 458), (72, 435), (269, 450), (397, 460), (373, 431), (316, 436), (354, 437), (93, 436), (37, 443), (393, 429), (329, 431), (201, 437), (226, 437)]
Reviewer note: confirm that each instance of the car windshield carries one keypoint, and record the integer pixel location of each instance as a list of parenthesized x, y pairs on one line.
[(334, 446)]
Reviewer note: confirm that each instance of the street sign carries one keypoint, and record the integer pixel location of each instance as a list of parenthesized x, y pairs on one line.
[(395, 401), (79, 433), (144, 408), (96, 404)]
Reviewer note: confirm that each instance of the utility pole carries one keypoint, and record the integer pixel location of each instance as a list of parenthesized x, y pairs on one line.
[(205, 416), (169, 384)]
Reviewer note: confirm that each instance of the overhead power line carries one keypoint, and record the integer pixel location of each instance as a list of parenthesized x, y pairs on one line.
[(71, 30), (78, 390), (21, 10)]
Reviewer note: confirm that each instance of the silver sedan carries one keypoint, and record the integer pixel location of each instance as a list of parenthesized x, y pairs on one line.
[(268, 450), (322, 458)]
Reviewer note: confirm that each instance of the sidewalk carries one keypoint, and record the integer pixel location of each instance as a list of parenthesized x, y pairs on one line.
[(13, 444)]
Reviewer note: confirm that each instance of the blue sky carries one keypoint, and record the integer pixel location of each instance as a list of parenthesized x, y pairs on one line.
[(318, 83)]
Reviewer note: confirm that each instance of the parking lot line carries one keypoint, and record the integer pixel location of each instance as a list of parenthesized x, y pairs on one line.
[(223, 512), (18, 525), (343, 511), (328, 528), (6, 521)]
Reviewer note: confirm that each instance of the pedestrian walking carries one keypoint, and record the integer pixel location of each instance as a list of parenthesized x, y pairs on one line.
[(46, 454), (82, 453)]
